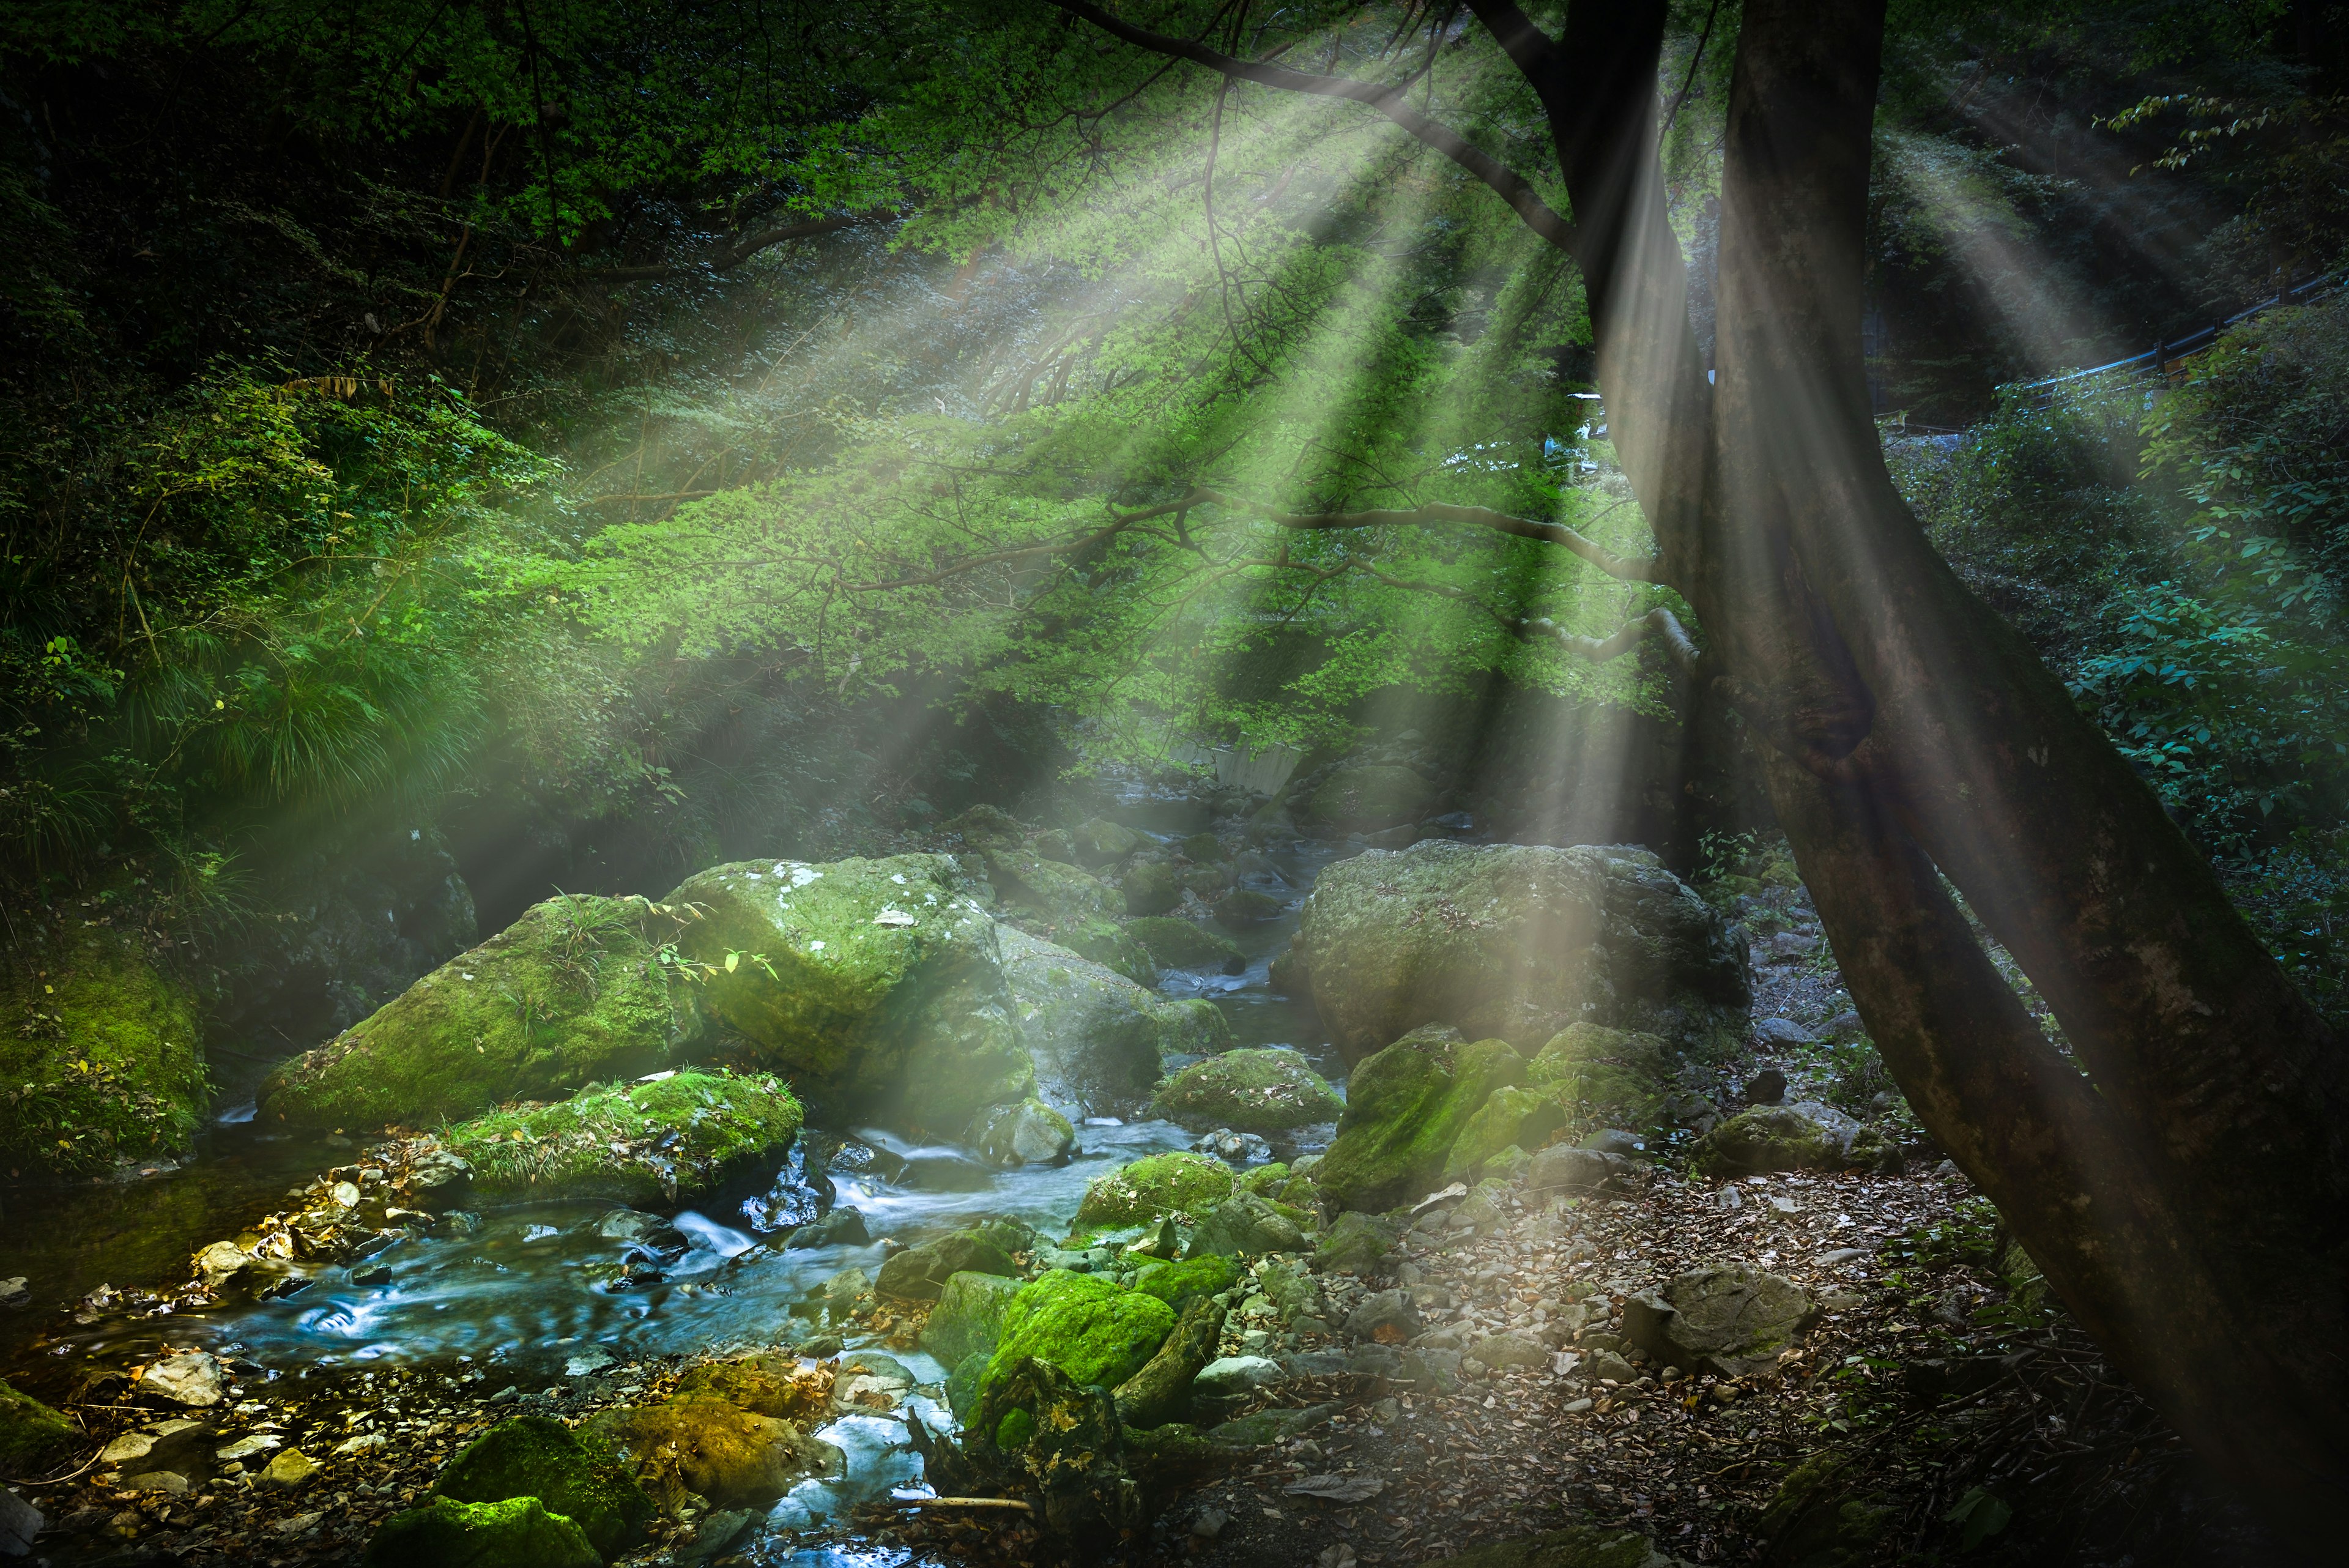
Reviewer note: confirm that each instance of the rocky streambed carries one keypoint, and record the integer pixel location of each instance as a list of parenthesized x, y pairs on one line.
[(960, 1239)]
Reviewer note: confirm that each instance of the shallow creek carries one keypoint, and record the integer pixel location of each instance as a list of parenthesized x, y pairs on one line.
[(525, 1298)]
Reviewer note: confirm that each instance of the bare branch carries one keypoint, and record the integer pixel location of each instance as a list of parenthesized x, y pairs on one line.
[(1386, 97), (1658, 622), (732, 253), (1607, 561)]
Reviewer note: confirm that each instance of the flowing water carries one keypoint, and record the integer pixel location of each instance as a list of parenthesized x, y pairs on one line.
[(527, 1298)]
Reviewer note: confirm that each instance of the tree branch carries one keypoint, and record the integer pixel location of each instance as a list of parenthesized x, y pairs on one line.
[(1658, 622), (1559, 534), (732, 253), (1387, 99), (1529, 48)]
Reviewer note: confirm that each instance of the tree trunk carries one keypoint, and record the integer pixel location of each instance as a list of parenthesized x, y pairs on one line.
[(2187, 1196)]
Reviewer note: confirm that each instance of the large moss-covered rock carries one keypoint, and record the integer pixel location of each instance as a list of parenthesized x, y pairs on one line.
[(1174, 943), (1245, 1226), (1179, 1285), (1150, 887), (969, 1318), (616, 1142), (538, 1456), (1097, 1039), (766, 1383), (570, 993), (697, 1443), (1153, 1186), (1269, 1090), (1069, 909), (1093, 1331), (1805, 1135), (921, 1272), (514, 1532), (1514, 1116), (876, 986), (1405, 1107), (101, 1056), (1604, 1076), (1517, 942), (1380, 794), (30, 1433)]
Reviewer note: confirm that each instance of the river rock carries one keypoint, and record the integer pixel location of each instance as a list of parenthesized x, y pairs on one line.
[(1256, 1090), (968, 1317), (1511, 1350), (1150, 887), (1245, 1226), (1092, 1330), (29, 1432), (1388, 1317), (19, 1523), (1178, 1284), (844, 1227), (1405, 1107), (538, 1456), (1152, 1188), (645, 1145), (1780, 1034), (462, 1039), (1235, 1149), (836, 1298), (1235, 1374), (1096, 1038), (1517, 941), (191, 1377), (289, 1469), (91, 995), (1513, 1117), (1609, 1077), (1185, 944), (1063, 906), (1563, 1169), (1353, 1243), (921, 1272), (1730, 1319), (1029, 1133), (1100, 842), (875, 986), (767, 1383), (1805, 1135), (508, 1533)]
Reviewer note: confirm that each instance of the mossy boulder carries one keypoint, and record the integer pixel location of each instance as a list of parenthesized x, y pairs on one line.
[(101, 1056), (1100, 842), (1247, 1226), (1368, 799), (1806, 1136), (569, 995), (1070, 908), (512, 1533), (921, 1272), (767, 1383), (613, 1142), (1174, 943), (1254, 1090), (1406, 1106), (698, 1443), (1150, 887), (1153, 1186), (30, 1433), (875, 986), (538, 1456), (1097, 1039), (1510, 1118), (1515, 941), (1354, 1242), (969, 1318), (1603, 1076), (1092, 1329), (1179, 1285)]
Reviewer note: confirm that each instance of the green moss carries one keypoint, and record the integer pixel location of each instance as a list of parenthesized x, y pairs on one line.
[(29, 1433), (570, 993), (1265, 1180), (606, 1143), (513, 1533), (1155, 1186), (1407, 1105), (969, 1318), (1091, 1329), (1513, 1117), (1185, 944), (880, 987), (1011, 1434), (538, 1456), (1257, 1090), (101, 1056), (1177, 1284)]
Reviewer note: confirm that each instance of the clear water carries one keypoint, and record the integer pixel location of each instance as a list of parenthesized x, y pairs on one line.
[(528, 1294)]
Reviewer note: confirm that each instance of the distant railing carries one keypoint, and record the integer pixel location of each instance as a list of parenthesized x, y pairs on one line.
[(2166, 354)]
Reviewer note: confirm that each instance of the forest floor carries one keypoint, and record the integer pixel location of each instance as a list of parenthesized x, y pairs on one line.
[(1937, 1411)]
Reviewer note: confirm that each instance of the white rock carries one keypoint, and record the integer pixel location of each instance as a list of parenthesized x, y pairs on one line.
[(1235, 1374), (190, 1377)]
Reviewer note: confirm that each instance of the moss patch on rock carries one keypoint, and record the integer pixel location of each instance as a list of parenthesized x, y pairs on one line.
[(609, 1142), (1178, 1284), (1612, 1077), (877, 985), (538, 1456), (101, 1056), (1091, 1329), (1153, 1186), (968, 1319), (1254, 1090), (573, 992), (1070, 908), (1174, 943), (1802, 1136), (1516, 942), (1514, 1116), (30, 1432), (697, 1443), (514, 1532), (1406, 1106)]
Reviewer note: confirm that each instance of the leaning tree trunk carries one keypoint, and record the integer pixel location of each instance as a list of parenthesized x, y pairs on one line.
[(2186, 1193), (2185, 1196)]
